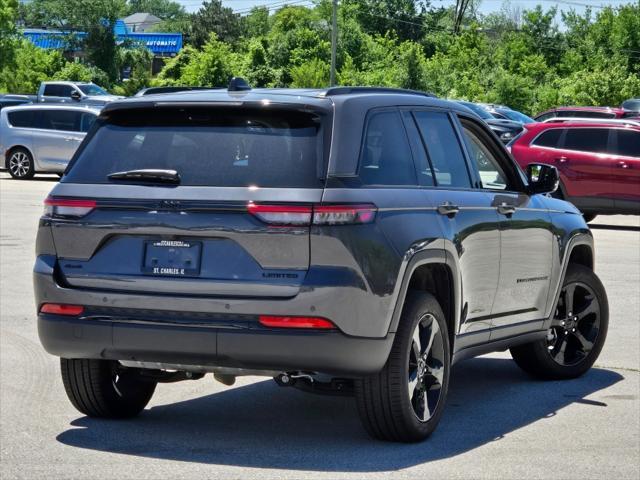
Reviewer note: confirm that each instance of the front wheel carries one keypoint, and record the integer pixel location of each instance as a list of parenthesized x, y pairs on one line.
[(104, 388), (404, 401), (577, 332)]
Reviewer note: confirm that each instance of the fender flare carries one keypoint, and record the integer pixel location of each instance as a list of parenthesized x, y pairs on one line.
[(424, 257), (578, 238)]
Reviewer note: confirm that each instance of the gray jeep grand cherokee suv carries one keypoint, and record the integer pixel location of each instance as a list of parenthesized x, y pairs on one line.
[(349, 240)]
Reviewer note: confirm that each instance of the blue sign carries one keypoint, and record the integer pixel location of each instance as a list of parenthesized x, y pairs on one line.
[(158, 43)]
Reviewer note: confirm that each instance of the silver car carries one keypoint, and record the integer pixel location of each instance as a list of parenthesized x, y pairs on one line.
[(42, 138)]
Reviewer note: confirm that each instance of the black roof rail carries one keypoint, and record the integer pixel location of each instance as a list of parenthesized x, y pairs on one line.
[(333, 91)]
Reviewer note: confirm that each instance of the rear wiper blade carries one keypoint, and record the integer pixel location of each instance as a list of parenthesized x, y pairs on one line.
[(147, 175)]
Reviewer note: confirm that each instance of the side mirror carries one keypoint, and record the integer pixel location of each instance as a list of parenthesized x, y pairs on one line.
[(76, 95), (542, 178)]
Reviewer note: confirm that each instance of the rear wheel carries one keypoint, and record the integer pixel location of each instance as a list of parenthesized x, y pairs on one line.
[(404, 401), (20, 164), (577, 333), (103, 388)]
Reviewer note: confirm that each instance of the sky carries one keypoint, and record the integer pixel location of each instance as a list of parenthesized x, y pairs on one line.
[(486, 6)]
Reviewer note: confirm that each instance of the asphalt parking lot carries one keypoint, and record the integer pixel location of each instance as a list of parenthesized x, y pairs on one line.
[(498, 424)]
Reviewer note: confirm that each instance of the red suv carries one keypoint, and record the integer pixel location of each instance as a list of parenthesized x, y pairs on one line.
[(599, 162), (586, 112)]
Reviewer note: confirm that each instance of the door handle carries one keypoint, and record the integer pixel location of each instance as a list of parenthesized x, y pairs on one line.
[(506, 209), (448, 209), (562, 159)]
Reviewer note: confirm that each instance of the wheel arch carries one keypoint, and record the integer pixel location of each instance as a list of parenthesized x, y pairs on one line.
[(431, 273), (12, 149)]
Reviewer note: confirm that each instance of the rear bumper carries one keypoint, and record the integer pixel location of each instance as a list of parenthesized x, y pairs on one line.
[(259, 348)]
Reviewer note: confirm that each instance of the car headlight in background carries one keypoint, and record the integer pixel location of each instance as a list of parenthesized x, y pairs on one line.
[(506, 136)]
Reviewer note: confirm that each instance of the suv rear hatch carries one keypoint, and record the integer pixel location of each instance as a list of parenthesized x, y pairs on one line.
[(226, 212)]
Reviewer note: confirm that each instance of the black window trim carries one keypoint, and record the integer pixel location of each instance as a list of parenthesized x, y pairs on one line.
[(367, 118), (457, 133), (509, 167)]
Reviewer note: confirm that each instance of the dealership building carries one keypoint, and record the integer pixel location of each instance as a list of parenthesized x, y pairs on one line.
[(162, 45)]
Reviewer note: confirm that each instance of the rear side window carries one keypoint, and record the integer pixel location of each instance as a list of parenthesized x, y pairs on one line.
[(443, 148), (386, 158), (58, 90), (628, 143), (549, 138), (63, 120), (587, 139), (22, 119), (86, 120), (208, 147)]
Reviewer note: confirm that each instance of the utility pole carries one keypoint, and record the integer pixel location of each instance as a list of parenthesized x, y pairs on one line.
[(334, 42)]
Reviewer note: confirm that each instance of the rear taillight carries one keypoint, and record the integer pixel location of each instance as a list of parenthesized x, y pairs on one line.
[(281, 214), (62, 309), (296, 322), (343, 214), (68, 207), (318, 214)]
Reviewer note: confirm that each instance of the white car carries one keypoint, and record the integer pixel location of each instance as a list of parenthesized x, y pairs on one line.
[(42, 138)]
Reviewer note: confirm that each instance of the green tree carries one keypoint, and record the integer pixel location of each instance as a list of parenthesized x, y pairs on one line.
[(8, 33), (311, 74), (164, 9), (31, 66), (213, 66), (213, 17), (80, 72)]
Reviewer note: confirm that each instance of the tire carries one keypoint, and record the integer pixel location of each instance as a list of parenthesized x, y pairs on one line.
[(20, 164), (588, 217), (577, 333), (102, 388), (385, 404)]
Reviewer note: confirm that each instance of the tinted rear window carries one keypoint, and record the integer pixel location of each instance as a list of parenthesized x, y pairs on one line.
[(208, 147), (550, 138), (628, 143), (587, 139)]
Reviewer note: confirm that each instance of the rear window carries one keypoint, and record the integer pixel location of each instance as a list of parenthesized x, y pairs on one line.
[(208, 147)]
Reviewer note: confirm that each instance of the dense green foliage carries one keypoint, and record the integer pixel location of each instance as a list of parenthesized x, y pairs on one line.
[(519, 58)]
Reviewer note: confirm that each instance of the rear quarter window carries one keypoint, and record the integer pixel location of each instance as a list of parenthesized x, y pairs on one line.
[(628, 143), (22, 119), (208, 147)]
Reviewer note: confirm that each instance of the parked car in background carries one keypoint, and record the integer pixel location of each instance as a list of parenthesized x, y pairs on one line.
[(631, 107), (510, 114), (345, 240), (168, 89), (42, 138), (11, 100), (598, 161), (506, 130), (583, 112), (74, 92)]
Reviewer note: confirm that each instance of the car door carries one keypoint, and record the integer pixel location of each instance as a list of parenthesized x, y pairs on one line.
[(626, 169), (468, 220), (56, 93), (586, 167), (526, 235), (56, 138)]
